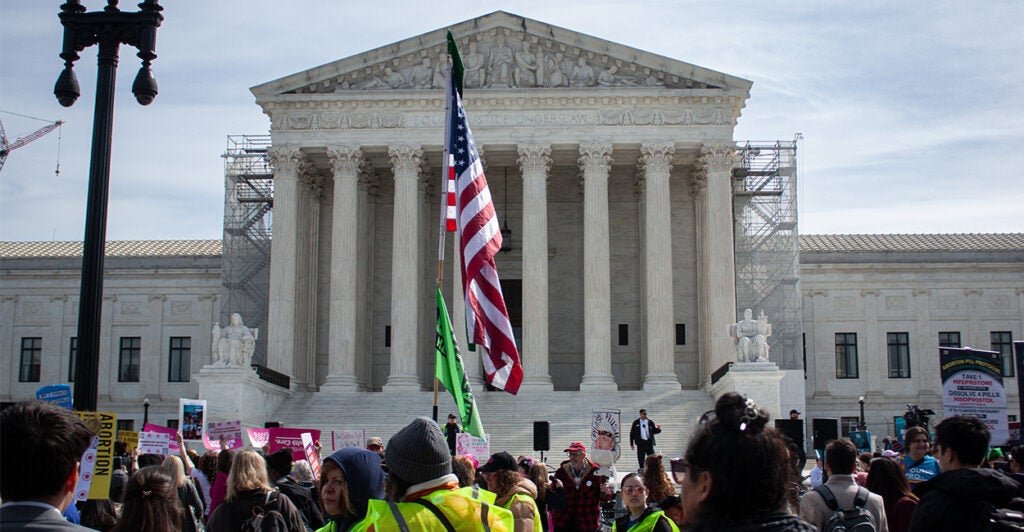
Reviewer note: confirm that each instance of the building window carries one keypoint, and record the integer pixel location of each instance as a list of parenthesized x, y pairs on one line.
[(623, 334), (125, 425), (72, 358), (949, 339), (180, 363), (680, 334), (849, 424), (846, 356), (1002, 342), (172, 423), (899, 355), (31, 359), (129, 359)]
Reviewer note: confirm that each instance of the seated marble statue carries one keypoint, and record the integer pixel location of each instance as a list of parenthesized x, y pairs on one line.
[(751, 337), (234, 345)]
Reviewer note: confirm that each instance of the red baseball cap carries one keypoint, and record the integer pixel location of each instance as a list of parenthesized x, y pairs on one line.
[(576, 446)]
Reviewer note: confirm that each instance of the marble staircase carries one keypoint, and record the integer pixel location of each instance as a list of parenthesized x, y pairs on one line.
[(507, 419)]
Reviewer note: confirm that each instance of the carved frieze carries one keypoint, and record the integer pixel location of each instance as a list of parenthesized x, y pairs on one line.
[(501, 58)]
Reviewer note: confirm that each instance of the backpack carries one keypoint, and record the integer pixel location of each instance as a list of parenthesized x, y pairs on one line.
[(986, 517), (264, 520), (856, 519)]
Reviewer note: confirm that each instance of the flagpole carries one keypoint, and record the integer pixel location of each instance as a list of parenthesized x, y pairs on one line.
[(442, 230)]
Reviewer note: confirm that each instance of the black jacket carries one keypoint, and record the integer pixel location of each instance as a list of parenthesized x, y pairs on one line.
[(634, 431), (948, 500), (303, 501)]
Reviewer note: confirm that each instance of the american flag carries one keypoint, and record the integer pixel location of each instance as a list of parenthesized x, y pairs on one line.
[(479, 237)]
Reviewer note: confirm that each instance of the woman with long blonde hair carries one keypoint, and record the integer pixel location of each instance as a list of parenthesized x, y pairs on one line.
[(191, 504), (249, 492)]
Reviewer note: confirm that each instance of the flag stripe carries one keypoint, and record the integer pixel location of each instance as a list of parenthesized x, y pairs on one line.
[(487, 319)]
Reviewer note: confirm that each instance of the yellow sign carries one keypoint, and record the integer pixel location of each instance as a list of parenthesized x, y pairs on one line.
[(130, 437), (105, 425)]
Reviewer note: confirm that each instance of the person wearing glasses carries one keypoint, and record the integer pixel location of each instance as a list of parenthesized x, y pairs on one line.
[(641, 517), (736, 472)]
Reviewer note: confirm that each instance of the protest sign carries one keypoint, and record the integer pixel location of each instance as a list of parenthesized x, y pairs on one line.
[(466, 443), (103, 466), (230, 430), (348, 438), (192, 418), (972, 384), (258, 438), (172, 435), (288, 438), (156, 443), (129, 437), (311, 455), (58, 394), (85, 470)]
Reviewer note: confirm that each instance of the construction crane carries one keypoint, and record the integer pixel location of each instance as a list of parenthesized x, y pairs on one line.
[(7, 147)]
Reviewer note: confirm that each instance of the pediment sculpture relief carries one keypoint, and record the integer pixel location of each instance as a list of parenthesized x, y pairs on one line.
[(502, 58)]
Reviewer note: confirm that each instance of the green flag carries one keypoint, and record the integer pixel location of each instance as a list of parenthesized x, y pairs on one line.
[(450, 372), (458, 70)]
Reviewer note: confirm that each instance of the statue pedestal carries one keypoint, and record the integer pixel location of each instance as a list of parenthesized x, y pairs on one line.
[(233, 392), (759, 381)]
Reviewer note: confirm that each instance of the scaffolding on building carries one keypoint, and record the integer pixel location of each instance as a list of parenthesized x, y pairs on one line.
[(248, 220), (767, 244)]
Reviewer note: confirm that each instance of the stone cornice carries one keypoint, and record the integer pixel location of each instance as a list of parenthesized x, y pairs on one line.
[(590, 111)]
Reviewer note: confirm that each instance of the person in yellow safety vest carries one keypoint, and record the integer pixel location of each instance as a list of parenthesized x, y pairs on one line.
[(423, 494), (641, 518), (514, 492)]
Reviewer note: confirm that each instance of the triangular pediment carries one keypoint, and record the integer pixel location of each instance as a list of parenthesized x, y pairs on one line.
[(502, 51)]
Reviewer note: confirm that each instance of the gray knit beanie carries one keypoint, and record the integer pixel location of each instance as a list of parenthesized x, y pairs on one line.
[(418, 452)]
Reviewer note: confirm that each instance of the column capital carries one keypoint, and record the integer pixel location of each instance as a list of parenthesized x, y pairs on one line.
[(406, 160), (312, 179), (534, 160), (286, 160), (346, 161), (717, 157), (656, 158), (595, 160)]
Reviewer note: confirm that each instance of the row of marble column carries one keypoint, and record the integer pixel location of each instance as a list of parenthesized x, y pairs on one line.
[(292, 315)]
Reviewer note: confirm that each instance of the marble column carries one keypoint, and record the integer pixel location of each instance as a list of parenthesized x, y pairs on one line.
[(535, 163), (717, 261), (154, 378), (346, 163), (287, 163), (405, 293), (656, 164), (307, 279), (595, 162), (9, 305)]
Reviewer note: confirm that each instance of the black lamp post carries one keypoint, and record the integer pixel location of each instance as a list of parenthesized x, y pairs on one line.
[(145, 412), (861, 401), (109, 29)]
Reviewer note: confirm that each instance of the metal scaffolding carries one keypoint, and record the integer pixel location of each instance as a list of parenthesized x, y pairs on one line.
[(248, 219), (767, 244)]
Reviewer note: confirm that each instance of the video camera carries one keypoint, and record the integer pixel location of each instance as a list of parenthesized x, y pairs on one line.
[(917, 417)]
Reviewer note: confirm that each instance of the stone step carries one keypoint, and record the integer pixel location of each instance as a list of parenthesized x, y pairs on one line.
[(506, 418)]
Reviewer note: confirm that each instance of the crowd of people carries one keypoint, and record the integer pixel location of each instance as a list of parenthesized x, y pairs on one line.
[(736, 475)]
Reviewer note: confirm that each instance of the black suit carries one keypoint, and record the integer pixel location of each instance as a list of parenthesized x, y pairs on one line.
[(643, 447)]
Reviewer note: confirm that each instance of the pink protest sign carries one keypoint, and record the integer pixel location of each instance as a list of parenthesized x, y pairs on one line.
[(172, 445), (258, 438), (281, 438)]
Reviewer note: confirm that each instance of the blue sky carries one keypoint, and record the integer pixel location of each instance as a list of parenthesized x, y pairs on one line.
[(912, 112)]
